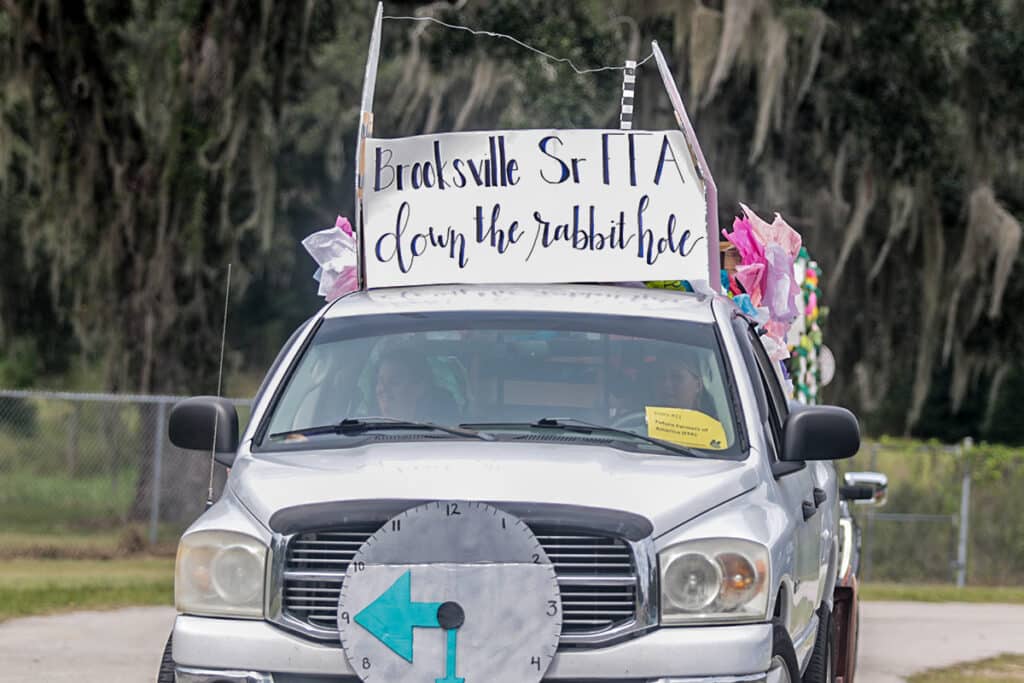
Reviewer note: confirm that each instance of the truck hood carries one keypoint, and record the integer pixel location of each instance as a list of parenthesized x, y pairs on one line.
[(666, 489)]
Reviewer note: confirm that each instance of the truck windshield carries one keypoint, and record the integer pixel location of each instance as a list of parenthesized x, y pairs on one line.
[(507, 373)]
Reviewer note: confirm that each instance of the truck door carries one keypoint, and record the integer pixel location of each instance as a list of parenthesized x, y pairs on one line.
[(797, 489)]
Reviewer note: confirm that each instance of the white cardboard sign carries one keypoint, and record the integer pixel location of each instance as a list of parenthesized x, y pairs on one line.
[(533, 206)]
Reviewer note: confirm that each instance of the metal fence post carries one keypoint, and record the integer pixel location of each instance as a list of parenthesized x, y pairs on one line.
[(158, 457), (72, 453), (869, 522), (965, 508)]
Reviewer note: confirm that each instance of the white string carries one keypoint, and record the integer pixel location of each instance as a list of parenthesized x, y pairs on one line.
[(492, 34)]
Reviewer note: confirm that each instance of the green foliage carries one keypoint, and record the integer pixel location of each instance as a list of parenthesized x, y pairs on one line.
[(20, 363), (1006, 668), (889, 47), (70, 541), (29, 587), (19, 366), (150, 139), (143, 146), (926, 478), (60, 503), (924, 96), (936, 592)]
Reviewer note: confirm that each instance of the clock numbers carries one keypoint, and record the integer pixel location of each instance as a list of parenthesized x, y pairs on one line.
[(366, 608)]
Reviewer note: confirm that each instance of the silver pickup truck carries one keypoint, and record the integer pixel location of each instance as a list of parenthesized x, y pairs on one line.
[(465, 483)]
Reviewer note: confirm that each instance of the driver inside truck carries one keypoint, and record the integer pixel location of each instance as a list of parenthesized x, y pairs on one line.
[(405, 389)]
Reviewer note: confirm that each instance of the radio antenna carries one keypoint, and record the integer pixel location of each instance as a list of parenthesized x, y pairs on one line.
[(220, 379)]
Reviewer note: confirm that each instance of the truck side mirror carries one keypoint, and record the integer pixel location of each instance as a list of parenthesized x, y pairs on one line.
[(191, 426), (856, 493), (872, 487), (820, 433)]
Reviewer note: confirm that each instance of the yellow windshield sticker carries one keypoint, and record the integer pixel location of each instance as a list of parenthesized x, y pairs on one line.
[(685, 427)]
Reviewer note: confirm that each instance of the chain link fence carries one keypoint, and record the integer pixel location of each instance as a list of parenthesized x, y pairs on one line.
[(954, 514), (94, 474), (97, 470)]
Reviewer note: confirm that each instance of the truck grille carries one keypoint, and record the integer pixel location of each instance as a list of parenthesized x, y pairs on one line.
[(596, 574)]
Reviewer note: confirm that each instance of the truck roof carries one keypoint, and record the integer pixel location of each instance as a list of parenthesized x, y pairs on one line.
[(555, 298)]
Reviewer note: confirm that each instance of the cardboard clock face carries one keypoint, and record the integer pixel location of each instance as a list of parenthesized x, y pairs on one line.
[(450, 592)]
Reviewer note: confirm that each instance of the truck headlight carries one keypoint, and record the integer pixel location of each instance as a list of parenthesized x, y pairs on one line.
[(714, 580), (220, 573)]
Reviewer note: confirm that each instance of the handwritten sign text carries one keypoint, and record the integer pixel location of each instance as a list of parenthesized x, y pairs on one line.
[(533, 206)]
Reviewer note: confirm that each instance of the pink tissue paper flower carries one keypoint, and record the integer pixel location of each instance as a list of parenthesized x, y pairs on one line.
[(334, 250), (767, 254)]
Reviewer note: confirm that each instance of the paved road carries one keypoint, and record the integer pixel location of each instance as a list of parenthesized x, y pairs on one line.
[(901, 638), (897, 639), (123, 646)]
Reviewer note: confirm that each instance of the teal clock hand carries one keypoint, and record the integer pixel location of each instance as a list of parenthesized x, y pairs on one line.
[(450, 660), (392, 617)]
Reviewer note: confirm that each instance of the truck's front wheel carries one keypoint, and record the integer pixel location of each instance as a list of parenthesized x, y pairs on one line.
[(821, 667), (783, 654), (166, 674)]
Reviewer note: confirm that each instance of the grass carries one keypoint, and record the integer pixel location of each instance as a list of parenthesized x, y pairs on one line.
[(941, 593), (43, 490), (73, 468), (34, 587), (1001, 669), (45, 586), (34, 501), (100, 544)]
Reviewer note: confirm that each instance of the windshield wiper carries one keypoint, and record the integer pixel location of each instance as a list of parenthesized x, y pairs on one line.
[(570, 424), (361, 425)]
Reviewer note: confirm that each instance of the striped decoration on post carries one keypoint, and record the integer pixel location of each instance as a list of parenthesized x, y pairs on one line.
[(628, 88)]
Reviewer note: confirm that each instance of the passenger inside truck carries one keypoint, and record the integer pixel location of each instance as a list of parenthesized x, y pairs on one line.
[(680, 385)]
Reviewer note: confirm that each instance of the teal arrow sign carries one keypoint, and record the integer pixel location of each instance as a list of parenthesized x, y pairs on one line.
[(392, 616)]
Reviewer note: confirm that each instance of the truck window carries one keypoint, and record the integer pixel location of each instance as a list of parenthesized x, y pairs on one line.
[(460, 368), (778, 408)]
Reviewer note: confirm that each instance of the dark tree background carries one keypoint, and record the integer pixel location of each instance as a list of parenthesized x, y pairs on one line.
[(144, 145)]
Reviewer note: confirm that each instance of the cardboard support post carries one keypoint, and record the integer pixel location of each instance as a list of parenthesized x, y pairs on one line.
[(710, 189), (365, 131)]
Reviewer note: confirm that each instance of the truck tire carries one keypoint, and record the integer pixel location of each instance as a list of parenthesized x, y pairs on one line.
[(166, 674), (822, 666), (783, 654)]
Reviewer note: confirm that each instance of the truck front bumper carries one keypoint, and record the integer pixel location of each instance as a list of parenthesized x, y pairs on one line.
[(210, 650)]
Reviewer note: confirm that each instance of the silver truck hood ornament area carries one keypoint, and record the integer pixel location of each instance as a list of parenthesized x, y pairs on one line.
[(666, 489)]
